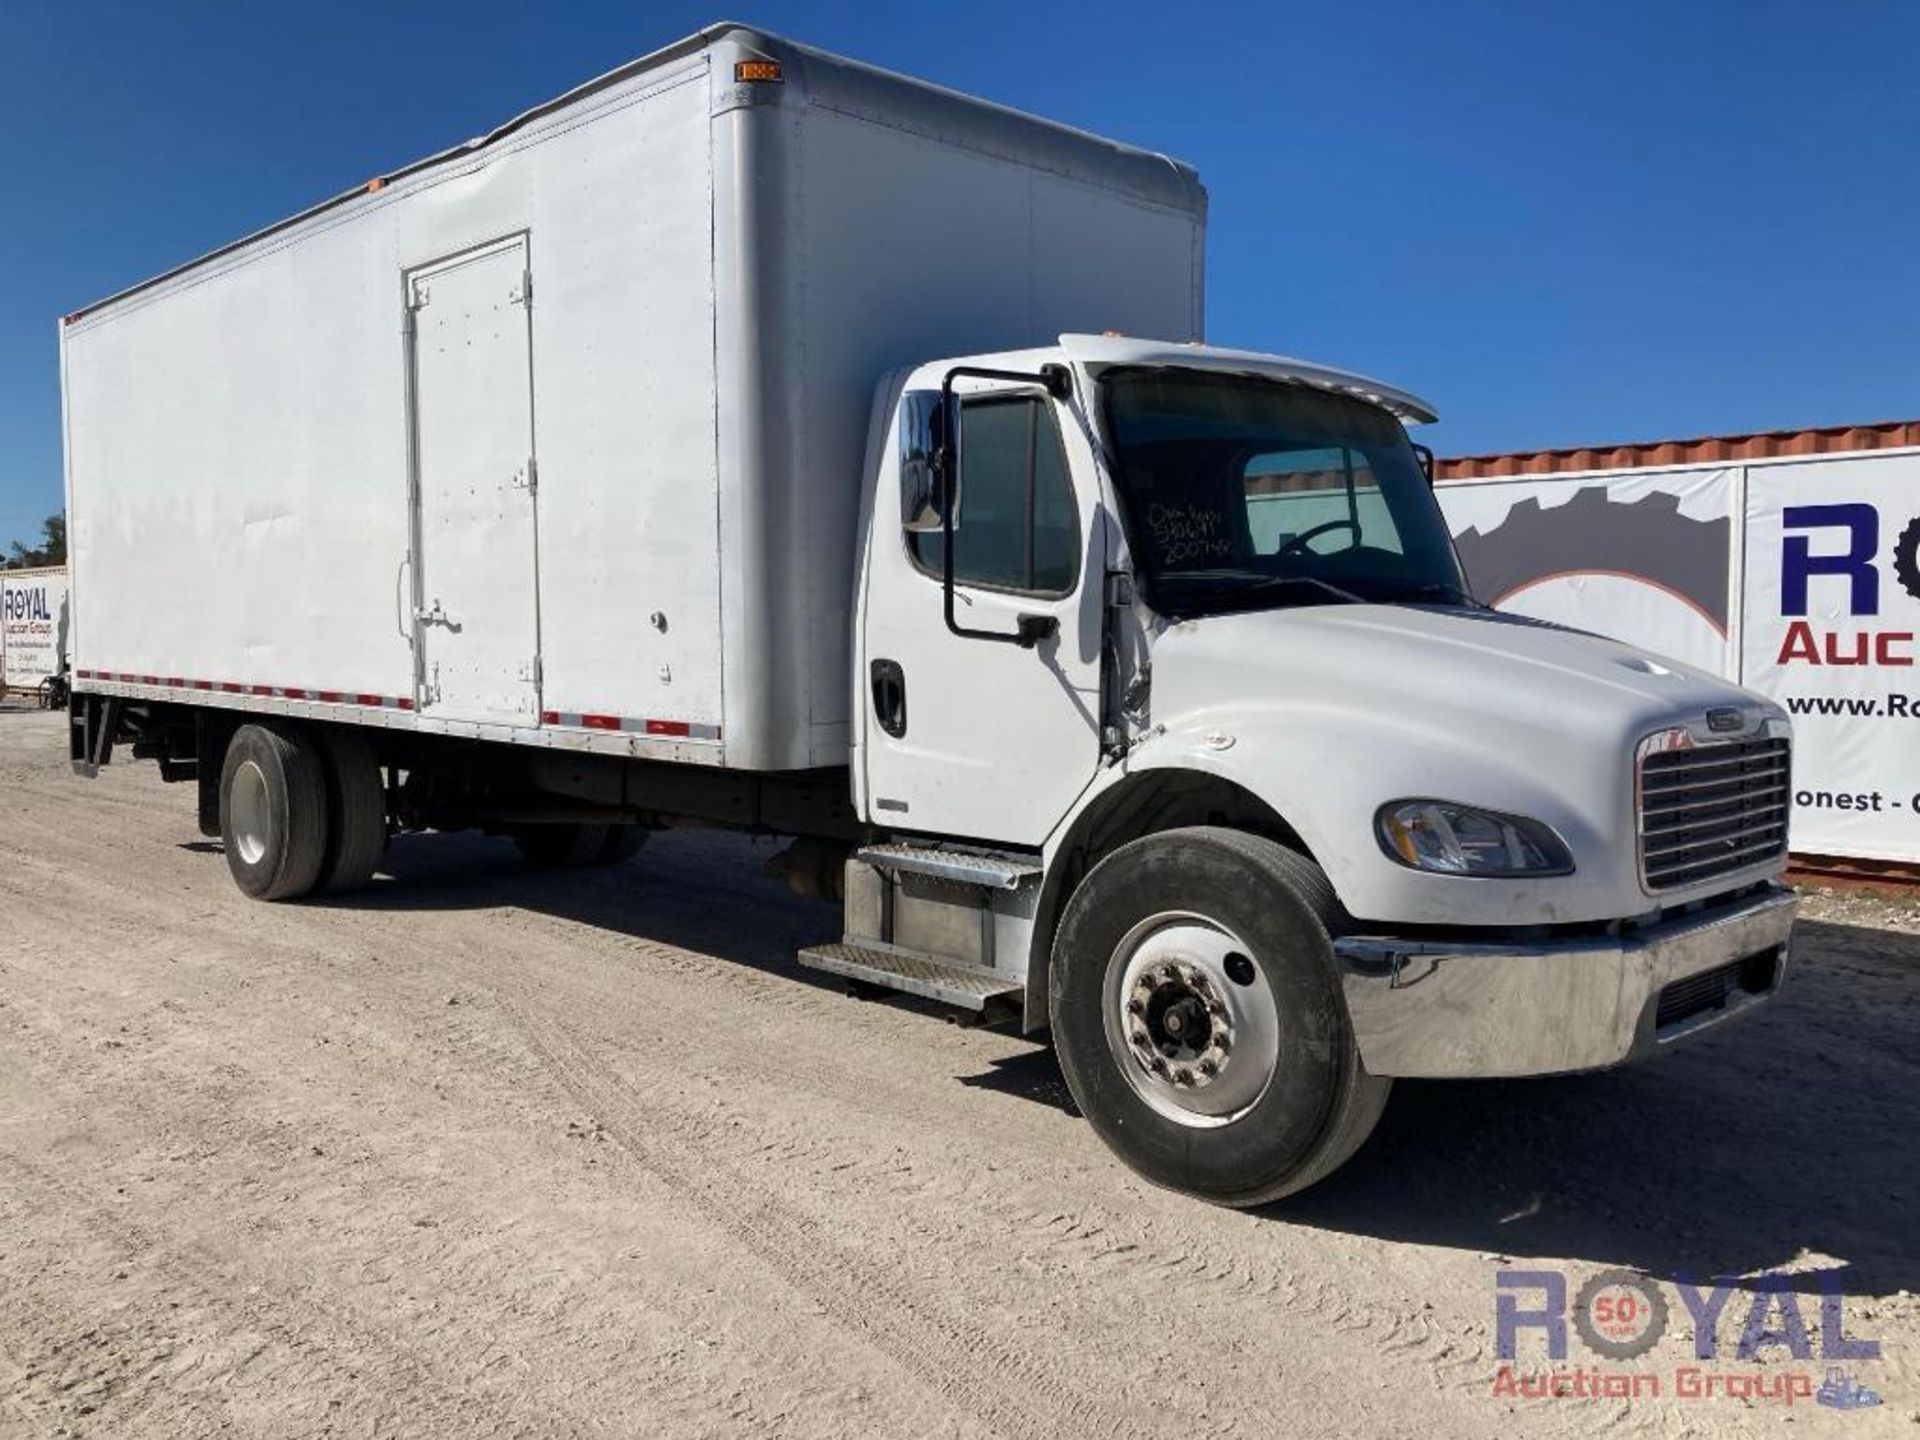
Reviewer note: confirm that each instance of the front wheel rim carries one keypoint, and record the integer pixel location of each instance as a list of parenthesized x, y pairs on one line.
[(249, 813), (1190, 1019)]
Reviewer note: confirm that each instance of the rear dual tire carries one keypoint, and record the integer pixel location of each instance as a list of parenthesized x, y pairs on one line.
[(301, 811), (273, 811), (575, 846), (1199, 1021)]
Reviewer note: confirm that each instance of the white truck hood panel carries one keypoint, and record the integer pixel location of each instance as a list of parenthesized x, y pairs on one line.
[(1327, 712)]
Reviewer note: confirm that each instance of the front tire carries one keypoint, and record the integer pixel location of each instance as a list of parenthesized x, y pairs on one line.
[(273, 811), (1199, 1021)]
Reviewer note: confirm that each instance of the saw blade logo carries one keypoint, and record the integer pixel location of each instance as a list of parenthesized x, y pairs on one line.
[(1648, 540), (1620, 1314), (1905, 568)]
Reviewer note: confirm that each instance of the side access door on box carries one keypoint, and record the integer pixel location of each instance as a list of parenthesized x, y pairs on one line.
[(475, 585)]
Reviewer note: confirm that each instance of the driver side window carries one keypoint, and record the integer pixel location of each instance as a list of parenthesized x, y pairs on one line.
[(1018, 526)]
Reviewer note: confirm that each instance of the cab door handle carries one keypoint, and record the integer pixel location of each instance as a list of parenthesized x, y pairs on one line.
[(890, 696)]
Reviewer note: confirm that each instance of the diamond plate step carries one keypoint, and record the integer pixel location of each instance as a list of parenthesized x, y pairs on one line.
[(995, 872), (962, 985)]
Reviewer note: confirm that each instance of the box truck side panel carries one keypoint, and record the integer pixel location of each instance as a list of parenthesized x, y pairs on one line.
[(976, 244), (246, 437), (238, 485), (624, 404)]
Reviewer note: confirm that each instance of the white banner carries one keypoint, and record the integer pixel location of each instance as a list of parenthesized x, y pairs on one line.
[(1832, 607), (1645, 558), (33, 627)]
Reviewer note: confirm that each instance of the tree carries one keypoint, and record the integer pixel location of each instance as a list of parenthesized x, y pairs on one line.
[(52, 549)]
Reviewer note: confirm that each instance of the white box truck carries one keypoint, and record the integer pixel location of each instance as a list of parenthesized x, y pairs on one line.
[(752, 438)]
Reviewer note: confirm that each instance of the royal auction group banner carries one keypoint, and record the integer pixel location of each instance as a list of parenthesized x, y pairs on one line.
[(1796, 578), (33, 626)]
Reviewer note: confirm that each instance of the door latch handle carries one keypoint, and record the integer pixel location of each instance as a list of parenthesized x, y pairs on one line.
[(890, 696), (435, 616)]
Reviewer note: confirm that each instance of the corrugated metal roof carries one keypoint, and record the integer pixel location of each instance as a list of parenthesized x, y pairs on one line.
[(1703, 450)]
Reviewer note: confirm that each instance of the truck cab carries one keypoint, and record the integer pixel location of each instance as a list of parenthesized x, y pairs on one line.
[(1188, 740)]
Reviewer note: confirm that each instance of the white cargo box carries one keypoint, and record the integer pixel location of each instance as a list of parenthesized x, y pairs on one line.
[(558, 437)]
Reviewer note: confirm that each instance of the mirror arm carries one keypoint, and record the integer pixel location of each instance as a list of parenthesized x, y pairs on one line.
[(1057, 381), (1425, 456)]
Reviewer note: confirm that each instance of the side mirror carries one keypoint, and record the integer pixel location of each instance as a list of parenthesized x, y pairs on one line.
[(925, 455)]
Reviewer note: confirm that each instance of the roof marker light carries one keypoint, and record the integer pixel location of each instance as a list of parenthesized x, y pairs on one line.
[(747, 72)]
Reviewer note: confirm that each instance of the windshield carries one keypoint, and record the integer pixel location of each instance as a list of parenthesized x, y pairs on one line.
[(1244, 493)]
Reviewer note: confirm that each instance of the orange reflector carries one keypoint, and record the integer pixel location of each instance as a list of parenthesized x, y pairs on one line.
[(757, 70), (375, 184)]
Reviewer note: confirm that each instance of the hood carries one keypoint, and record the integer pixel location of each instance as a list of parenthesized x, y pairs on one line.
[(1328, 712), (1486, 673)]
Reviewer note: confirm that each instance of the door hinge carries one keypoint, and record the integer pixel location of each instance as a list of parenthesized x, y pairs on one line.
[(527, 478)]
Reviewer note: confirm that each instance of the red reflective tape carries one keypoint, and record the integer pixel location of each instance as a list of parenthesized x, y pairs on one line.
[(231, 689), (331, 697), (404, 703), (366, 699), (292, 694), (549, 717), (600, 722), (203, 685), (669, 727), (175, 682), (149, 679)]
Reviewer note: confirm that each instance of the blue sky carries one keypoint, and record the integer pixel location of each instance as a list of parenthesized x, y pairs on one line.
[(1562, 223)]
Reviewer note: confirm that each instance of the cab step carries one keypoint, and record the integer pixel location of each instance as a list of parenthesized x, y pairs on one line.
[(990, 870), (966, 986)]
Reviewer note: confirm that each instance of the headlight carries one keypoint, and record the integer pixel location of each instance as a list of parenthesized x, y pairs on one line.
[(1451, 839)]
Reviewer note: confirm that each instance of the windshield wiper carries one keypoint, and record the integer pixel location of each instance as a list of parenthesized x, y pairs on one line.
[(1274, 582), (1448, 592)]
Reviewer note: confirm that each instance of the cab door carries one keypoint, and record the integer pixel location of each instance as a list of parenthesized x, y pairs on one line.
[(969, 737)]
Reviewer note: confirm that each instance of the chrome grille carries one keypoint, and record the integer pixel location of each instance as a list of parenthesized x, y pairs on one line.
[(1710, 810)]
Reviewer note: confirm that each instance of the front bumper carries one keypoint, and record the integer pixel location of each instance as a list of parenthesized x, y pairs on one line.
[(1465, 1009)]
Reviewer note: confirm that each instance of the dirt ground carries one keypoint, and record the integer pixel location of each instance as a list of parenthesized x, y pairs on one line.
[(491, 1153)]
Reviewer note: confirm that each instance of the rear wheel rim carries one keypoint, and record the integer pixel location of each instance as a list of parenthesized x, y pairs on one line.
[(249, 812), (1190, 1019)]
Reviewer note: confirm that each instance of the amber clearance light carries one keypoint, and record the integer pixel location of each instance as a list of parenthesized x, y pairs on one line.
[(761, 70)]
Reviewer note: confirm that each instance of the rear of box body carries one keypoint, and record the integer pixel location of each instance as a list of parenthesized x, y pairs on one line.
[(681, 289)]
